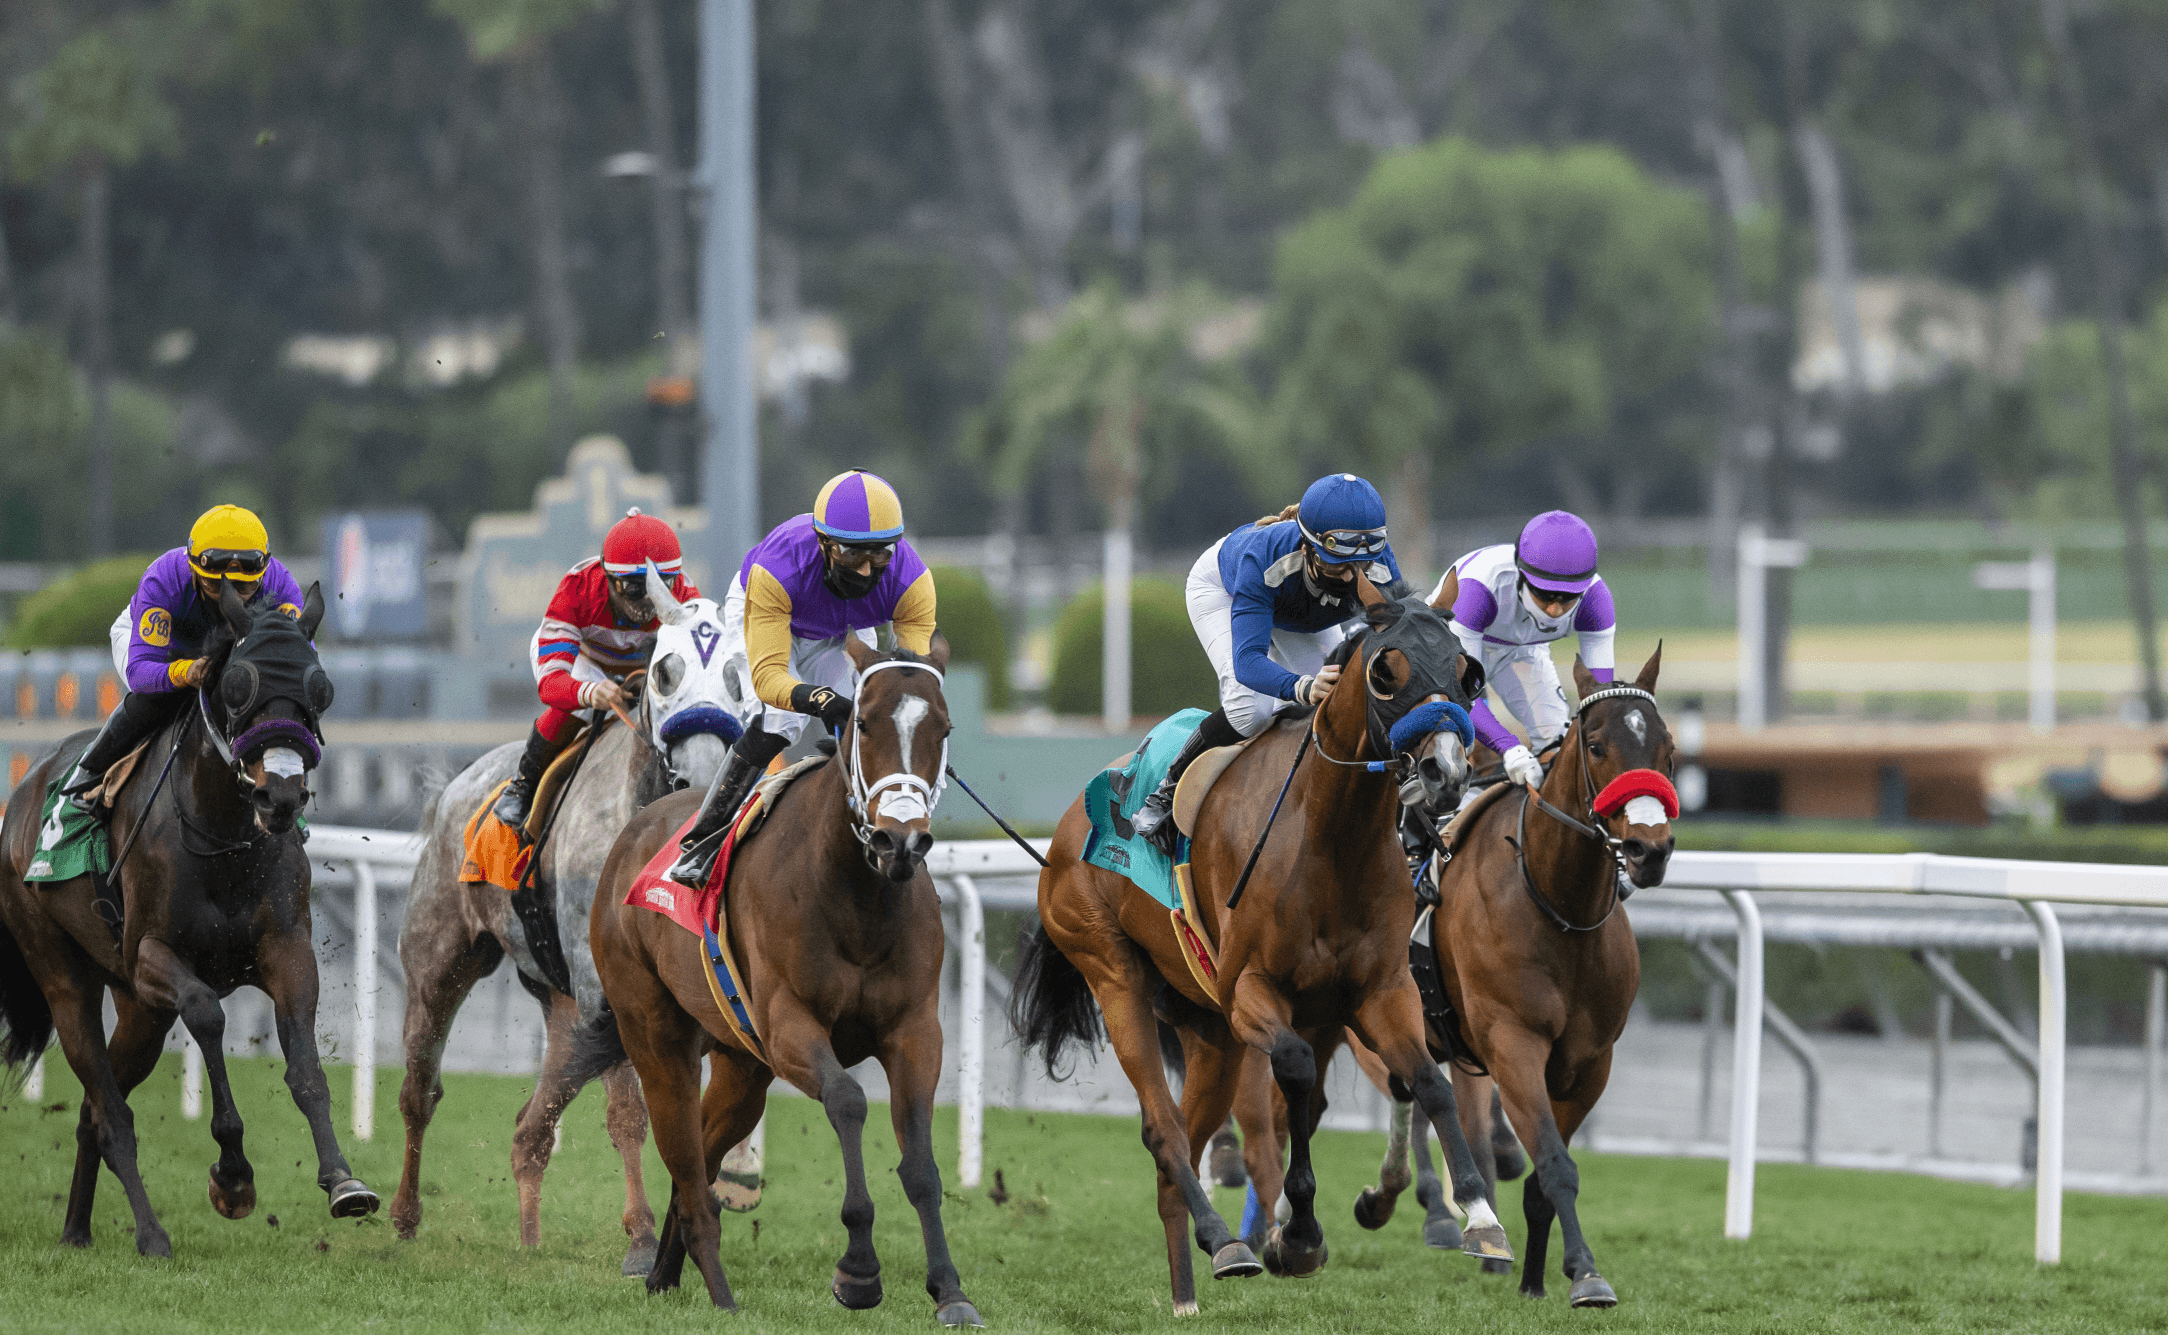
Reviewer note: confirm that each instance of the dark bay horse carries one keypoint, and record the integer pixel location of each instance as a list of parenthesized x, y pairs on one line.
[(1539, 959), (1316, 946), (215, 895), (837, 929), (456, 933)]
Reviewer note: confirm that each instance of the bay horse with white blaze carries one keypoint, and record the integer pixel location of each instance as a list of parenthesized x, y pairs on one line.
[(1537, 955), (456, 933), (1316, 945), (835, 922), (216, 895)]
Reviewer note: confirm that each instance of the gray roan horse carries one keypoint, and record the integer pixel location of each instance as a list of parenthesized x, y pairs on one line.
[(456, 933), (215, 894)]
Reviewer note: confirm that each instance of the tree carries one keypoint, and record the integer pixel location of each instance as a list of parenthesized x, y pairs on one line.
[(1471, 303), (1122, 379), (96, 107)]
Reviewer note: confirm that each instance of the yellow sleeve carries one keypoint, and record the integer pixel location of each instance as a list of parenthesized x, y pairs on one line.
[(913, 619), (767, 638)]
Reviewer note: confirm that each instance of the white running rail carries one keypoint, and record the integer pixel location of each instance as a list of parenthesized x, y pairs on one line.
[(958, 867)]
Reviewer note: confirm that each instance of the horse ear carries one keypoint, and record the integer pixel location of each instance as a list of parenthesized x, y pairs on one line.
[(667, 607), (1647, 680), (312, 609), (862, 655), (233, 609), (1366, 591), (1448, 593), (937, 652), (1584, 680)]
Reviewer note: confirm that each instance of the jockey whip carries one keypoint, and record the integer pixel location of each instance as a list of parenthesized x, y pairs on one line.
[(1243, 881), (1006, 828)]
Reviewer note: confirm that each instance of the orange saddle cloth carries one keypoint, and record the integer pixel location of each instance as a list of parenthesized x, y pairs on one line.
[(496, 852)]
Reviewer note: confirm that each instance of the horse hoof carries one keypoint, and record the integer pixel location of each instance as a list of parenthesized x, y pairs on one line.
[(740, 1192), (856, 1294), (1442, 1234), (1227, 1169), (1374, 1209), (1590, 1290), (960, 1313), (352, 1200), (1532, 1289), (1289, 1261), (1185, 1309), (639, 1259), (1492, 1266), (1487, 1242), (155, 1244), (1235, 1261), (235, 1203)]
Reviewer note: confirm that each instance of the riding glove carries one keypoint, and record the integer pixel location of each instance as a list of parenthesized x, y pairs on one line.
[(1521, 767), (821, 702)]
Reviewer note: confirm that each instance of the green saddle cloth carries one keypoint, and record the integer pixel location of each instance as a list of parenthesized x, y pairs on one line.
[(71, 841), (1115, 794)]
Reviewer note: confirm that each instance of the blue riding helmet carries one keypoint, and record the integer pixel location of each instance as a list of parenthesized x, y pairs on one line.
[(1343, 519)]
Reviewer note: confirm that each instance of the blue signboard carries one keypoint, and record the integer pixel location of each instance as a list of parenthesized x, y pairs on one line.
[(373, 561)]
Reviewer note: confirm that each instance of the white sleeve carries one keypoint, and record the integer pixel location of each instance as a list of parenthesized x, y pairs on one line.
[(1597, 651)]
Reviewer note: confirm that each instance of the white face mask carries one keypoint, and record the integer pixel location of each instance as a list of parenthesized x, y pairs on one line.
[(1543, 618)]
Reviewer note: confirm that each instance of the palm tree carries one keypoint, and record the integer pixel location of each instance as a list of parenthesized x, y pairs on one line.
[(1124, 379)]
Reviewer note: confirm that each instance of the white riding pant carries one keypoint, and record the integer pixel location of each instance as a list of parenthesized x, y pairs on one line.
[(1526, 681), (1211, 613), (820, 662)]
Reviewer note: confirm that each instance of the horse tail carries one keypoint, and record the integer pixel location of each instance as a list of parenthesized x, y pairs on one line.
[(1050, 1005), (1170, 1051), (26, 1018), (597, 1045)]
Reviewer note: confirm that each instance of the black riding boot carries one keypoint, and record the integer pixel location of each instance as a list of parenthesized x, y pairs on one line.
[(513, 803), (748, 761), (1155, 819), (137, 718)]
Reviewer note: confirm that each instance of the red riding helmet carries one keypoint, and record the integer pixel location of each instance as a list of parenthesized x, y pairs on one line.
[(637, 539)]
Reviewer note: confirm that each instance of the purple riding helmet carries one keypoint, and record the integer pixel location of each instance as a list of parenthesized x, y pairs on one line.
[(1557, 553)]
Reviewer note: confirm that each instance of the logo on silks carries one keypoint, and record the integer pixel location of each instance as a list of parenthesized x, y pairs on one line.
[(705, 638)]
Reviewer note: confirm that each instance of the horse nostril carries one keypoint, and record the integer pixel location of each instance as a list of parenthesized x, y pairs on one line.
[(1636, 849), (921, 844)]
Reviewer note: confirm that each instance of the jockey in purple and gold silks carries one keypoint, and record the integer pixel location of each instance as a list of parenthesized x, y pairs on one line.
[(159, 638), (843, 569)]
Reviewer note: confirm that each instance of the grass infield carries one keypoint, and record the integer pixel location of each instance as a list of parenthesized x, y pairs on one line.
[(1075, 1247)]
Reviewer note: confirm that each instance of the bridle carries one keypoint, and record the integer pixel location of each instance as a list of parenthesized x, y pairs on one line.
[(901, 796), (1593, 828)]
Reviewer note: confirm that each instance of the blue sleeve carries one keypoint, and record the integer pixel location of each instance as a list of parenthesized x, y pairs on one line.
[(1252, 619)]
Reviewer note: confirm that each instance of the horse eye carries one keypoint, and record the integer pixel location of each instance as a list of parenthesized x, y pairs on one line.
[(668, 673), (1596, 749)]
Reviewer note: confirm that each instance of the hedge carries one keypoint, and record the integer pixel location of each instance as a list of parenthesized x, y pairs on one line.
[(1167, 667), (78, 610), (968, 616)]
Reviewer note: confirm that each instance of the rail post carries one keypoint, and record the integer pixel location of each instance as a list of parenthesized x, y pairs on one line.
[(191, 1077), (1745, 1067), (364, 1000), (2048, 1184), (971, 1059), (2156, 1019)]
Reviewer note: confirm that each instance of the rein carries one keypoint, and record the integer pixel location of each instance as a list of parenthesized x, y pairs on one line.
[(1593, 829)]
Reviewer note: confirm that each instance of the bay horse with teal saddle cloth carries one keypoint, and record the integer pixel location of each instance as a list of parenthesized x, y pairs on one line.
[(1316, 942), (214, 892)]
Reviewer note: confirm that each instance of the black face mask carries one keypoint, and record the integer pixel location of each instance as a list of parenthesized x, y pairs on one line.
[(1424, 636), (848, 584)]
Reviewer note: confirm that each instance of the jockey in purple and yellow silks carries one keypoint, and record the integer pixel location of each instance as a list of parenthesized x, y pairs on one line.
[(158, 638), (841, 570)]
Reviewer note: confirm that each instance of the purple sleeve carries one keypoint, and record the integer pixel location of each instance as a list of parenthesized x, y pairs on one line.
[(280, 588), (1597, 612), (1473, 606), (157, 600), (1489, 730)]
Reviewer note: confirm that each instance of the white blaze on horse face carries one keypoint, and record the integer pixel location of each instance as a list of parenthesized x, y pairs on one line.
[(1637, 726), (906, 804)]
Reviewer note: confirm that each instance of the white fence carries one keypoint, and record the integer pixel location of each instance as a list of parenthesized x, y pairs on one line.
[(959, 867)]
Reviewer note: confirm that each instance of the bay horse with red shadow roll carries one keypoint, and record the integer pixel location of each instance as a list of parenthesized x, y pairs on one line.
[(835, 922), (1538, 958), (214, 894), (1316, 945)]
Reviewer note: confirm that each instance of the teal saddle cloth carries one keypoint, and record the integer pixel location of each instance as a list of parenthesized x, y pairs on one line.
[(1113, 797)]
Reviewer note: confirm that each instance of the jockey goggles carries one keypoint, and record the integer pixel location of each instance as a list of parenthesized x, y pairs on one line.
[(851, 553), (229, 564), (1345, 544)]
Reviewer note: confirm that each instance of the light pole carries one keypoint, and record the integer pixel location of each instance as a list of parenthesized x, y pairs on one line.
[(1758, 554), (730, 455), (2037, 578)]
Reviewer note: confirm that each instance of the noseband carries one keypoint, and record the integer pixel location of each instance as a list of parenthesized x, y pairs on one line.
[(900, 796), (1594, 803)]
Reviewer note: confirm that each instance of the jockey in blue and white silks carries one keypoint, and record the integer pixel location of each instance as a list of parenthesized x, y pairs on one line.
[(1269, 601), (1516, 598)]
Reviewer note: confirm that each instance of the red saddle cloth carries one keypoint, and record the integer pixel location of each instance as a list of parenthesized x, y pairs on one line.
[(693, 910)]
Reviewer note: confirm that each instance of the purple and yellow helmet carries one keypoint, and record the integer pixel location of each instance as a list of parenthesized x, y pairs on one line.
[(858, 507)]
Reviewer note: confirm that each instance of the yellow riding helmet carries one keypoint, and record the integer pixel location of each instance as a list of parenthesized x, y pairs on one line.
[(228, 542)]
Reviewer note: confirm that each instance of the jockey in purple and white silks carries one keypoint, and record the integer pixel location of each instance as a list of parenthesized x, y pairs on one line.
[(1269, 601), (1516, 598)]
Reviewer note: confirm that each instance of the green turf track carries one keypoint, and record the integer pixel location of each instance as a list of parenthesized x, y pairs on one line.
[(1076, 1248)]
